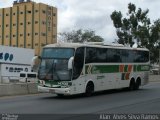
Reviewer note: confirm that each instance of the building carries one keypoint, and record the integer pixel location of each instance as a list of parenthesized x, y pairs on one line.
[(13, 60), (28, 25)]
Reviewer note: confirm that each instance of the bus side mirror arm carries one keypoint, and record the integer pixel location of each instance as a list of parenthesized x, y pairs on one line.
[(33, 61), (70, 63)]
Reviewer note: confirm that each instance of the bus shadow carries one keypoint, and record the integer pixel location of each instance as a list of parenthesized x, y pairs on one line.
[(100, 93)]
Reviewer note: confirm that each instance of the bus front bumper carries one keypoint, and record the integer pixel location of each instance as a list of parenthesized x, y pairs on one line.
[(65, 91)]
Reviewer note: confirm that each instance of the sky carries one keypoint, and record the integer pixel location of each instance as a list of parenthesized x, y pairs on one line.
[(93, 14)]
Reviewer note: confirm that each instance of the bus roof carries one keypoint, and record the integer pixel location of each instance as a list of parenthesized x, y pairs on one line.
[(76, 45)]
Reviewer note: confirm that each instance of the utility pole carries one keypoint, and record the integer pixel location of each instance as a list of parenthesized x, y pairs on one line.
[(159, 61)]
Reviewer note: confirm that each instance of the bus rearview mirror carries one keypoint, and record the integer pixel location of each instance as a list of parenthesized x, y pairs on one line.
[(70, 63)]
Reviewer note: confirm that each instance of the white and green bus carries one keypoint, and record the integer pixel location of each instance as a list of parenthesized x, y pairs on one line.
[(72, 68)]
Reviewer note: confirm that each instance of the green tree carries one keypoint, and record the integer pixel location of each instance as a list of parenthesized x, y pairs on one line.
[(154, 41), (133, 28), (136, 27), (80, 36)]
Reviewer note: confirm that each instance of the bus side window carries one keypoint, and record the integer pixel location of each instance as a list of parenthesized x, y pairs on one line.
[(91, 55), (78, 62)]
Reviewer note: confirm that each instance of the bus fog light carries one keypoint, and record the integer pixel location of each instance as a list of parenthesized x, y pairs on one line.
[(69, 83), (67, 91)]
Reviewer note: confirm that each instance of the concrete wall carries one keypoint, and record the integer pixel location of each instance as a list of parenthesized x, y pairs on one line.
[(31, 88), (18, 89), (154, 78)]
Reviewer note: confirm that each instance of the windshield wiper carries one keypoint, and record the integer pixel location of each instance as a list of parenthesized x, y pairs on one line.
[(54, 70)]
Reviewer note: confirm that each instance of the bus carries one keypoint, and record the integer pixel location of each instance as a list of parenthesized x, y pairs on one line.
[(74, 68)]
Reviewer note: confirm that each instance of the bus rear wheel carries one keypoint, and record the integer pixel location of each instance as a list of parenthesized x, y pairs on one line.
[(132, 85), (137, 84), (89, 89)]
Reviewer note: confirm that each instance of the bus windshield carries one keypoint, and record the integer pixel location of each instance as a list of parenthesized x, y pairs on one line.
[(54, 64)]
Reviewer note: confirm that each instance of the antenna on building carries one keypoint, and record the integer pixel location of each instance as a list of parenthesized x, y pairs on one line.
[(15, 2), (20, 1)]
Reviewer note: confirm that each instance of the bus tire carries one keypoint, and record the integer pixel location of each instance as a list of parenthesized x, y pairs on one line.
[(132, 85), (60, 95), (89, 89), (138, 83)]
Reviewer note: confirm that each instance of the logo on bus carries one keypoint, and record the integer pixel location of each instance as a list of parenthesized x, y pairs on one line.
[(144, 67), (63, 83)]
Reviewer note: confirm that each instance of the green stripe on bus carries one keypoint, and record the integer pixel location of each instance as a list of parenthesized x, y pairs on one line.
[(138, 68), (95, 69), (135, 68), (108, 69), (126, 68)]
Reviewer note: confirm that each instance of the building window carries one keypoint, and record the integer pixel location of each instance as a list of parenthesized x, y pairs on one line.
[(29, 44), (21, 12), (28, 34), (29, 12), (36, 33), (54, 36), (14, 24), (21, 45), (21, 23), (43, 34), (49, 8), (43, 11), (21, 35), (36, 44), (7, 14), (36, 22), (14, 35), (29, 23), (43, 22), (36, 11), (42, 44), (7, 25), (49, 28), (54, 14), (54, 25), (7, 36), (0, 25), (14, 13)]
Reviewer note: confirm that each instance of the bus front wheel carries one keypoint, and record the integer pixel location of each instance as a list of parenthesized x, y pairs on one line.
[(60, 95), (89, 89)]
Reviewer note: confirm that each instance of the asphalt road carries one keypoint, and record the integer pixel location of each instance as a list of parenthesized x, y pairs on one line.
[(145, 100)]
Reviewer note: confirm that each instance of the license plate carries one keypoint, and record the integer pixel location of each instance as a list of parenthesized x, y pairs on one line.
[(52, 91)]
